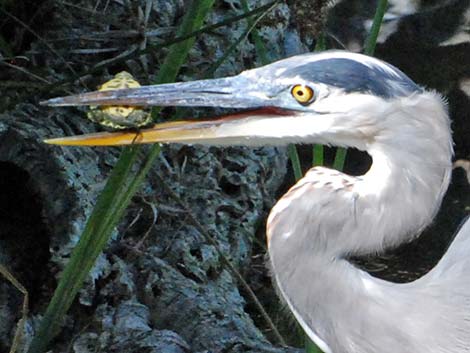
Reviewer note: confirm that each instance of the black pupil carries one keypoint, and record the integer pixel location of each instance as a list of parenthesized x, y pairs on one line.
[(300, 93)]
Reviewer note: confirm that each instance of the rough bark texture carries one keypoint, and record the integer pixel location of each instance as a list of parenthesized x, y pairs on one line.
[(172, 293)]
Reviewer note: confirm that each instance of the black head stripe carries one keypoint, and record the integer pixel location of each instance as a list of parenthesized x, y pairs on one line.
[(380, 79)]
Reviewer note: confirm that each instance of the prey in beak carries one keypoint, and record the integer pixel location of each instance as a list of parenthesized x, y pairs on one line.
[(270, 108), (119, 117)]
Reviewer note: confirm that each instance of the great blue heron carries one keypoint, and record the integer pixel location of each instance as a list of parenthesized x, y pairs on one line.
[(344, 99)]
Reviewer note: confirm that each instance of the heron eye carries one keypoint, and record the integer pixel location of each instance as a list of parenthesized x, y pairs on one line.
[(303, 94)]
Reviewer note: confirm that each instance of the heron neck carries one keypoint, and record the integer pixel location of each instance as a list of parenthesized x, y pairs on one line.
[(310, 240), (328, 215), (411, 165), (400, 194)]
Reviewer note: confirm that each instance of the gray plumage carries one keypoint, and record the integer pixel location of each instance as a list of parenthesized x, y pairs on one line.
[(356, 101)]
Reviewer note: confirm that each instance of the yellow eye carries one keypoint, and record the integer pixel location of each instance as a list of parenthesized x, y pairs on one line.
[(303, 94)]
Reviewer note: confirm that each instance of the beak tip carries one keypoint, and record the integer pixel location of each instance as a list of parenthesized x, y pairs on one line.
[(53, 102), (55, 141), (49, 141)]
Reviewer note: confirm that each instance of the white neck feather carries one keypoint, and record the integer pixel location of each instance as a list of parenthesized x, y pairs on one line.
[(328, 215)]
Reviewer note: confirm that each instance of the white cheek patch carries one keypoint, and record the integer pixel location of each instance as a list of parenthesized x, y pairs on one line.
[(339, 102)]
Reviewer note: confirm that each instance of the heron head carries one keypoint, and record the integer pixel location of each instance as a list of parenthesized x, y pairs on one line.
[(331, 97)]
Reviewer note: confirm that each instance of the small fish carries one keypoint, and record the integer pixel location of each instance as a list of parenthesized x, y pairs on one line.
[(119, 117)]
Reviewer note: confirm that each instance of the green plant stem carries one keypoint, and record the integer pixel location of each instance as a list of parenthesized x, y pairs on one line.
[(113, 200), (320, 45), (340, 158), (375, 29), (318, 155), (295, 160)]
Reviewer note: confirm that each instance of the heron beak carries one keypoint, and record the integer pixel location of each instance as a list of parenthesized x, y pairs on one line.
[(244, 128), (229, 92), (235, 129)]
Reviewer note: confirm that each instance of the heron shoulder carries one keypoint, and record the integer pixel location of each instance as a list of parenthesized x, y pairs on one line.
[(311, 196)]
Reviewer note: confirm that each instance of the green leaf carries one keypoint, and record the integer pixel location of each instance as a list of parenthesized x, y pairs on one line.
[(318, 155), (113, 200), (375, 29), (340, 158), (295, 160)]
